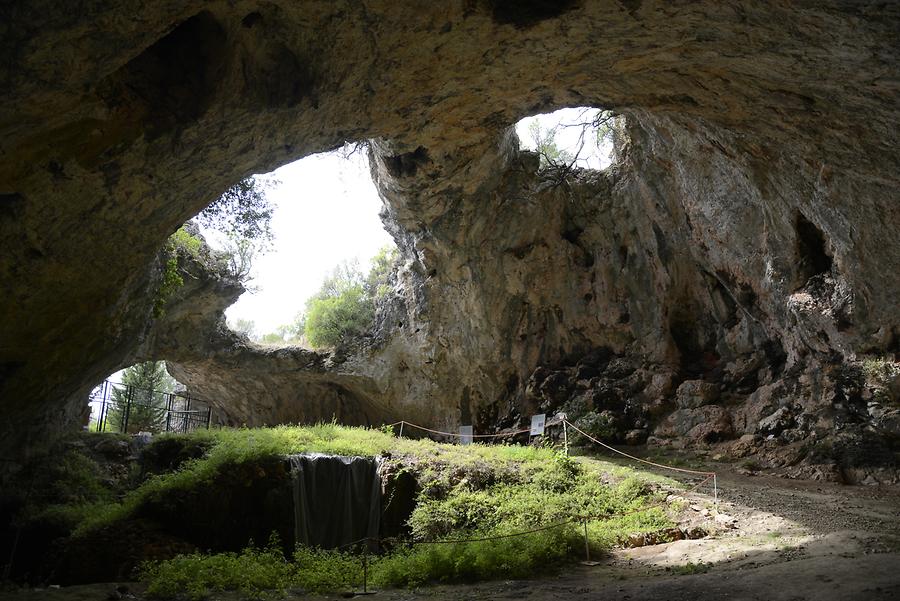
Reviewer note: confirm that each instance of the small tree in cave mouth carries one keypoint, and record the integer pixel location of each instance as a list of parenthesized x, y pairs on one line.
[(243, 215)]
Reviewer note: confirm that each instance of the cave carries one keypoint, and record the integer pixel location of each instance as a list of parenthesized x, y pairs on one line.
[(812, 257), (726, 286)]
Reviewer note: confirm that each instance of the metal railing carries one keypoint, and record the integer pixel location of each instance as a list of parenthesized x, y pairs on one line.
[(129, 409)]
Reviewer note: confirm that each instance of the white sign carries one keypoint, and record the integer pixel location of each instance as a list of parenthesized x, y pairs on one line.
[(465, 434), (537, 424)]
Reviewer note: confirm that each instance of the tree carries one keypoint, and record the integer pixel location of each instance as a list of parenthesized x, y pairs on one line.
[(344, 307), (544, 141), (239, 254), (142, 400), (596, 130), (243, 211), (247, 327), (272, 338), (243, 217), (381, 266), (331, 319)]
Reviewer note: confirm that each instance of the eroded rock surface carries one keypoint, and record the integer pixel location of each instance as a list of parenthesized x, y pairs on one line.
[(746, 237)]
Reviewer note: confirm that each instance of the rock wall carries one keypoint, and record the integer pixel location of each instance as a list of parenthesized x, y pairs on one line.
[(748, 232)]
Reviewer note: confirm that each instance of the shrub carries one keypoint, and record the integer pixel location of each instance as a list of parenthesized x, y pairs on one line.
[(182, 240), (602, 426), (330, 320), (253, 572), (344, 307)]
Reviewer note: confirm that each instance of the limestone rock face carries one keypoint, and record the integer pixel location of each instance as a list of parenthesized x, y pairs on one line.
[(746, 236)]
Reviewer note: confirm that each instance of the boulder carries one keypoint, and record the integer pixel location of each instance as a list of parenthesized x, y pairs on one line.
[(696, 393)]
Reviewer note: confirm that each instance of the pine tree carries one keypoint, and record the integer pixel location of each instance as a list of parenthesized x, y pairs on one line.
[(149, 382)]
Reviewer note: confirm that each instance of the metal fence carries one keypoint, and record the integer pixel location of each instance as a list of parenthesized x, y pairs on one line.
[(126, 408)]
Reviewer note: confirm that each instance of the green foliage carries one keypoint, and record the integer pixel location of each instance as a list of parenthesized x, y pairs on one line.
[(545, 144), (148, 403), (880, 369), (171, 282), (691, 568), (66, 485), (323, 571), (344, 307), (242, 212), (467, 492), (880, 373), (272, 338), (332, 319), (551, 493), (602, 426), (182, 240), (256, 573), (513, 557), (596, 130), (381, 267)]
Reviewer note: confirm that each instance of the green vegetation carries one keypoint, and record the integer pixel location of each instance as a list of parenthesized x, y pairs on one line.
[(171, 282), (147, 411), (595, 128), (544, 141), (345, 305), (243, 211), (69, 483), (880, 372), (474, 491), (181, 242), (242, 217), (332, 319), (691, 568), (342, 309)]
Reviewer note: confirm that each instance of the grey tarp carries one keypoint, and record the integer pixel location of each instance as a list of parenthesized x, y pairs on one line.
[(337, 499)]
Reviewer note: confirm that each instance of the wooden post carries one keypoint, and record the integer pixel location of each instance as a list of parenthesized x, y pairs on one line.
[(129, 397), (587, 547)]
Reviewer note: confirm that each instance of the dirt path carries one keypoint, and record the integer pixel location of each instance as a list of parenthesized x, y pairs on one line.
[(776, 539)]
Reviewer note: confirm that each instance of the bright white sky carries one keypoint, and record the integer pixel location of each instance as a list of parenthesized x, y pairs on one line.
[(326, 211)]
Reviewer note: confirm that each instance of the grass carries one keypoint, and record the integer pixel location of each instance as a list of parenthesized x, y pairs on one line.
[(63, 487), (472, 491), (691, 568)]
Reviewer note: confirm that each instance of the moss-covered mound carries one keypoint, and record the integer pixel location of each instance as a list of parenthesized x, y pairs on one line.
[(193, 505)]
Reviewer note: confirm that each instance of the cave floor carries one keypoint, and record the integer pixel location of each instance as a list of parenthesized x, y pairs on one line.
[(776, 539)]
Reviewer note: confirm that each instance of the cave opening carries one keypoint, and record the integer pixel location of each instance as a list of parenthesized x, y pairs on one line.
[(580, 137), (813, 257), (145, 398), (326, 239)]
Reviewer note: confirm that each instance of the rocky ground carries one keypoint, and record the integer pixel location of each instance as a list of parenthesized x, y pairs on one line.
[(776, 539)]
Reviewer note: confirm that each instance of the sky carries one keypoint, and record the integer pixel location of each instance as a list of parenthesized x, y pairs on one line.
[(326, 212)]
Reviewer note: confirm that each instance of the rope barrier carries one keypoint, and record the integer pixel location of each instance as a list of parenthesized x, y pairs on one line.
[(457, 435), (614, 450), (573, 520), (565, 423), (710, 475), (497, 537), (585, 519)]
